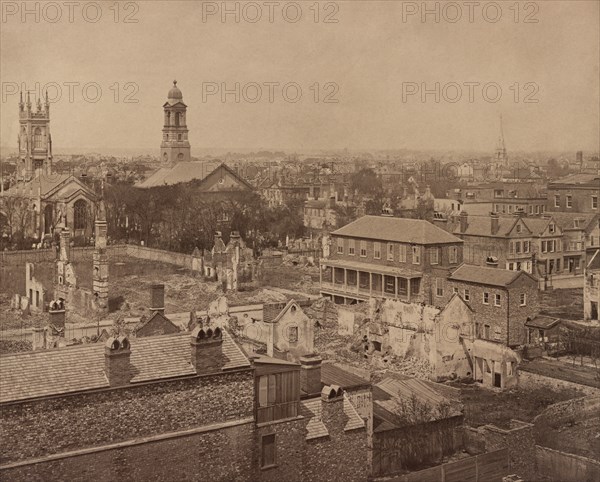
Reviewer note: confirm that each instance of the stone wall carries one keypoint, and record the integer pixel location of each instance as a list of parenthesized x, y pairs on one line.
[(533, 380), (83, 420), (518, 439)]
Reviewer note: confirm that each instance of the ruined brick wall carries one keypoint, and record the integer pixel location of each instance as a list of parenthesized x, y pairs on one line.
[(224, 454), (56, 425), (495, 316)]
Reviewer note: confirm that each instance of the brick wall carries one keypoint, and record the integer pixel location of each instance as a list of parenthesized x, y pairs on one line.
[(54, 425), (518, 314)]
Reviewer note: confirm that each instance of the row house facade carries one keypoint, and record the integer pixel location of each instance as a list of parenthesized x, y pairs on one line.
[(515, 243), (502, 301), (387, 257), (577, 193)]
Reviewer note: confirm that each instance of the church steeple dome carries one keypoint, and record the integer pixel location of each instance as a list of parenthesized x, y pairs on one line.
[(175, 94)]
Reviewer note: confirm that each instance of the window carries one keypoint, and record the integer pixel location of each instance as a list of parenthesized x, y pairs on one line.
[(557, 201), (519, 228), (453, 254), (439, 287), (569, 201), (402, 253), (80, 214), (518, 247), (551, 228), (389, 285), (416, 254), (268, 451), (523, 299), (351, 247), (363, 249), (486, 335), (292, 333), (497, 299), (526, 246), (594, 202), (455, 290), (511, 247), (415, 286), (390, 252), (544, 246), (434, 256), (467, 296), (340, 246), (37, 138), (486, 298), (377, 250)]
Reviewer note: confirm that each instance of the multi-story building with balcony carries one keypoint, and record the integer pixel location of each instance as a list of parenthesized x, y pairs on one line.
[(388, 257)]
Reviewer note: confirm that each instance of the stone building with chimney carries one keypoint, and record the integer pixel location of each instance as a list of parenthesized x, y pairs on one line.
[(259, 419)]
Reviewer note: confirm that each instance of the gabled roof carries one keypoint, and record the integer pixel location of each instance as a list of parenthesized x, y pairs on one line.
[(401, 230), (73, 369), (486, 276), (312, 409), (48, 185), (566, 221), (157, 318)]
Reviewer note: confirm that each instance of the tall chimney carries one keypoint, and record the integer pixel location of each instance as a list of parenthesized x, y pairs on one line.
[(157, 298), (117, 354), (464, 221), (57, 314), (495, 223), (310, 374), (207, 350)]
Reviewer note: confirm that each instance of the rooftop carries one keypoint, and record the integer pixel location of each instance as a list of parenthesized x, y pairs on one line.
[(61, 371), (332, 374), (401, 230), (578, 179), (485, 276)]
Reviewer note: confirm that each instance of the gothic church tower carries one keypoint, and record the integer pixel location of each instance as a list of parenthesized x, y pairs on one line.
[(35, 143), (175, 146)]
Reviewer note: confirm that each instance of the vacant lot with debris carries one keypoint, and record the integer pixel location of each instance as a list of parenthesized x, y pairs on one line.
[(487, 406)]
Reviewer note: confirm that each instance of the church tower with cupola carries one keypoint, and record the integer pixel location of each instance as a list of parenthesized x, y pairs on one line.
[(175, 146), (35, 143)]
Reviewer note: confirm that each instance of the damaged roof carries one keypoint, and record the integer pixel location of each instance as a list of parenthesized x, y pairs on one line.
[(73, 369)]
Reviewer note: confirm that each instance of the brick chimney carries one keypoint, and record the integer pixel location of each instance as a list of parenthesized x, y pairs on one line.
[(117, 364), (495, 222), (464, 221), (157, 298), (57, 315), (207, 350), (310, 374), (332, 409)]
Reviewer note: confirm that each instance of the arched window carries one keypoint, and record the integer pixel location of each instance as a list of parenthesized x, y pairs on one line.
[(37, 138), (80, 214), (48, 218), (177, 118), (168, 121)]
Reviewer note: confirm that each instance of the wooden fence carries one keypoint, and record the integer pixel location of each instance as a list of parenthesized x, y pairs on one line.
[(488, 467)]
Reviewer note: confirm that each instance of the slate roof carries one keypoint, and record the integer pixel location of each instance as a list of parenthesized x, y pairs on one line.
[(578, 179), (47, 184), (187, 171), (401, 230), (567, 220), (482, 226), (72, 369), (373, 268), (485, 276), (332, 374), (544, 322)]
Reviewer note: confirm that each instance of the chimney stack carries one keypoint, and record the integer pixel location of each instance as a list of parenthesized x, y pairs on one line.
[(57, 314), (207, 350), (117, 354), (495, 226), (310, 374), (464, 221), (157, 298)]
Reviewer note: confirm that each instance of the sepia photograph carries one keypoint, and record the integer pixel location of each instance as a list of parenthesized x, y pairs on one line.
[(299, 241)]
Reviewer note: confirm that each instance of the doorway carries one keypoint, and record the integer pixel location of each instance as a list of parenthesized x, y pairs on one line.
[(498, 380)]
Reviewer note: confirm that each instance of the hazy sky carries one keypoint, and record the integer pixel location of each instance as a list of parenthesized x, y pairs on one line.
[(371, 53)]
